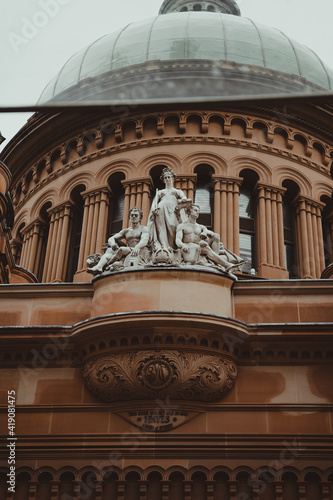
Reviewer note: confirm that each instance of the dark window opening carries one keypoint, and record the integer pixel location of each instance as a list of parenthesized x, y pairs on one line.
[(76, 231), (44, 231), (116, 207), (289, 219), (204, 195), (247, 221)]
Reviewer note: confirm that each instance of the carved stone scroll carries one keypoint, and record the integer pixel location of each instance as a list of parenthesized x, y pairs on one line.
[(148, 375)]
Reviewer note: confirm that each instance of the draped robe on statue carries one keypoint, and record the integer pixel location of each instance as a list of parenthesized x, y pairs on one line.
[(164, 218)]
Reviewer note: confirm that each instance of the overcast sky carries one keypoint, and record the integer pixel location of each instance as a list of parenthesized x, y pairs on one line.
[(38, 36)]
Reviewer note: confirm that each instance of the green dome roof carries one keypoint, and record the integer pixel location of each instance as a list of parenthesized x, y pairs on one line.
[(191, 36)]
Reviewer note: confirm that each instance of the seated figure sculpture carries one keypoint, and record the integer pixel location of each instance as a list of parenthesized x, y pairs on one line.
[(134, 253), (201, 246)]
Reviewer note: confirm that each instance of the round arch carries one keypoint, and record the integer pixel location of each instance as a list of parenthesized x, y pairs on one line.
[(167, 159), (284, 173), (85, 178), (51, 196), (126, 167), (236, 165), (217, 162)]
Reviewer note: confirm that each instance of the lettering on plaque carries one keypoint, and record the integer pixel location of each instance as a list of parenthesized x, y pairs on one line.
[(158, 420)]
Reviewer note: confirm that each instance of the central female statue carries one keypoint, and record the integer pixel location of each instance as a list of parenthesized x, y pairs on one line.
[(164, 215)]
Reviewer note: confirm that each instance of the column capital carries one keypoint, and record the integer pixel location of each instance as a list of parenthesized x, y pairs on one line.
[(227, 180), (269, 188), (61, 206), (190, 177), (137, 180), (36, 223), (94, 191), (307, 203)]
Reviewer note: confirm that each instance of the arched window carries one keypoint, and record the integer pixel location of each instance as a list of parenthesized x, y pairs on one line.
[(154, 489), (44, 486), (204, 195), (289, 227), (22, 486), (76, 197), (88, 486), (17, 244), (313, 487), (221, 489), (327, 223), (132, 487), (247, 220), (199, 491), (176, 486), (110, 486), (290, 487), (244, 488), (66, 487), (44, 234), (116, 207)]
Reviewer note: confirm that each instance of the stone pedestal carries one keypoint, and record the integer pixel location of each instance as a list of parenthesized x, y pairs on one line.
[(163, 290)]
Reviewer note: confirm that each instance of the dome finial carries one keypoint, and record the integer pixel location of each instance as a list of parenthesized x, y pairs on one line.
[(224, 6)]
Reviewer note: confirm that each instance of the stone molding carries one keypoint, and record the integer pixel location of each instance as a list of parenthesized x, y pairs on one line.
[(160, 374), (226, 119)]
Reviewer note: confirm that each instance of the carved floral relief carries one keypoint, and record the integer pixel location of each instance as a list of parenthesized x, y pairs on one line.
[(147, 375)]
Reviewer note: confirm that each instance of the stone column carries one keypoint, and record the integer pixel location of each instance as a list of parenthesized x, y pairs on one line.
[(58, 242), (325, 488), (33, 490), (26, 235), (210, 490), (121, 490), (32, 245), (137, 194), (165, 489), (98, 490), (94, 225), (310, 248), (187, 490), (232, 490), (270, 233), (143, 485), (187, 184), (226, 210), (38, 231), (301, 490), (55, 485), (278, 490)]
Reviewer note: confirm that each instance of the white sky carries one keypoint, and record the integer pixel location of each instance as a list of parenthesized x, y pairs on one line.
[(31, 55)]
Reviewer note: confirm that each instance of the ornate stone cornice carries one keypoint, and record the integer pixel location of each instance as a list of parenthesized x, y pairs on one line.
[(94, 131), (169, 140)]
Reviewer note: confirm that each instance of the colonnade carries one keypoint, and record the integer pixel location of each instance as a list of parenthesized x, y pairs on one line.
[(58, 243), (176, 488), (270, 235), (34, 237), (94, 224), (226, 210), (310, 250), (139, 192)]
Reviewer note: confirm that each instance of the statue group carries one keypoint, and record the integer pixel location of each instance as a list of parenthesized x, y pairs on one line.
[(172, 238)]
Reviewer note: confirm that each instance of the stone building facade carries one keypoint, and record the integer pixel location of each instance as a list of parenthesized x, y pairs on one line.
[(170, 383)]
